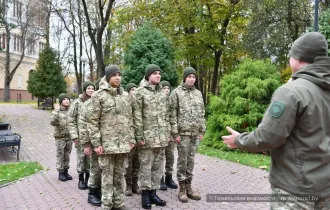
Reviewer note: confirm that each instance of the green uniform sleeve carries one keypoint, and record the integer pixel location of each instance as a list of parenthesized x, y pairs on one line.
[(83, 133), (137, 115), (54, 121), (276, 125), (131, 123), (202, 118), (73, 120), (93, 118), (174, 114)]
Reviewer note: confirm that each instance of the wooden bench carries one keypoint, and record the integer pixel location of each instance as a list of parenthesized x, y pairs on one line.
[(47, 103), (10, 139)]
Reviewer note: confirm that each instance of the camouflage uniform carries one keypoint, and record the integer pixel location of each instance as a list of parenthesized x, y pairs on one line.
[(169, 154), (111, 126), (62, 138), (187, 121), (83, 161), (152, 126)]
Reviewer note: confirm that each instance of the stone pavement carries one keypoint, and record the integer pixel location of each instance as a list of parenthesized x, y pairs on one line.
[(44, 191)]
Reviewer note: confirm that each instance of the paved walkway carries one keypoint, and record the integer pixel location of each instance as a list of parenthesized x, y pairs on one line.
[(44, 191)]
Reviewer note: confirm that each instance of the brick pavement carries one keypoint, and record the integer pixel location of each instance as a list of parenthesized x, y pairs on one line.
[(44, 191)]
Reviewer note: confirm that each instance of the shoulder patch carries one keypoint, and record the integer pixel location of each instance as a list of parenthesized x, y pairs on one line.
[(276, 109)]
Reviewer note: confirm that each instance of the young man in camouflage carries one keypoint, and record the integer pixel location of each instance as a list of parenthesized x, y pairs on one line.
[(133, 167), (188, 128), (59, 119), (83, 161), (94, 182), (152, 134), (295, 128), (112, 136), (169, 151)]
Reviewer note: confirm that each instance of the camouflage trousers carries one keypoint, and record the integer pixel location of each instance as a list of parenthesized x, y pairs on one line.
[(95, 171), (151, 167), (169, 157), (113, 168), (187, 149), (133, 167), (63, 151), (313, 203), (83, 161)]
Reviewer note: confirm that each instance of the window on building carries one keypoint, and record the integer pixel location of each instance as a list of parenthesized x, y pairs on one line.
[(19, 81), (3, 41), (14, 39), (17, 8)]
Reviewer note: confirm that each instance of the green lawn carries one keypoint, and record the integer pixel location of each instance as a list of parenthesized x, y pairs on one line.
[(253, 160), (14, 171)]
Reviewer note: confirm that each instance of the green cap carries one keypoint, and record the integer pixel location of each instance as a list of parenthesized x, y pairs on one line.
[(165, 83), (86, 84), (187, 71), (150, 69), (309, 46), (129, 86), (61, 97), (111, 70)]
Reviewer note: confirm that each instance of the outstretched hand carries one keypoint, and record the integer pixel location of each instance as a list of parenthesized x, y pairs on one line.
[(230, 140)]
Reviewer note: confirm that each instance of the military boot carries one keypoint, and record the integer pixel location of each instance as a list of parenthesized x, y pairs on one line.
[(128, 187), (155, 199), (162, 184), (135, 186), (81, 183), (62, 177), (121, 208), (92, 197), (86, 179), (182, 192), (190, 193), (67, 175), (169, 182), (146, 203)]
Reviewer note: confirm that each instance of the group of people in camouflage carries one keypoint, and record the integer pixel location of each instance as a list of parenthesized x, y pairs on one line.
[(131, 134)]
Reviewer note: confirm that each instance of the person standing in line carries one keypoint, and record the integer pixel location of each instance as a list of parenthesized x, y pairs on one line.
[(59, 119)]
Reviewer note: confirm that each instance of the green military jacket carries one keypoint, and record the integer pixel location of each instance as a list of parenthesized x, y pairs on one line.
[(151, 117), (187, 111), (74, 112), (110, 119), (59, 119), (296, 128)]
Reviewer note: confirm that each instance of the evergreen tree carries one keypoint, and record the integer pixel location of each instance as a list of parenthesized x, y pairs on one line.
[(47, 80), (245, 95), (149, 46)]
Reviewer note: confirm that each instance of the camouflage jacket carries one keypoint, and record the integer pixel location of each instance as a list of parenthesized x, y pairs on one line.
[(84, 139), (150, 112), (59, 119), (187, 111), (110, 119)]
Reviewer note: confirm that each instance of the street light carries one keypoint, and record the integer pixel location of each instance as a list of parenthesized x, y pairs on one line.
[(83, 59)]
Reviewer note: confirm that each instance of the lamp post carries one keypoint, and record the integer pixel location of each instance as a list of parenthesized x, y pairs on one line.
[(83, 59)]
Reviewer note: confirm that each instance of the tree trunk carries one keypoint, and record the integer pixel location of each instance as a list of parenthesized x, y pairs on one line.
[(215, 78), (6, 96)]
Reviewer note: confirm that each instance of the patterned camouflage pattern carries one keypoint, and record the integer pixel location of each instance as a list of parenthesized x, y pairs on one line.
[(187, 149), (187, 111), (94, 171), (83, 161), (110, 119), (133, 165), (282, 202), (169, 157), (113, 167), (151, 167), (151, 118), (59, 119), (62, 138)]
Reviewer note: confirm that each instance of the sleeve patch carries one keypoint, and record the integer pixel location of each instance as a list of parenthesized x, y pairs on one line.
[(276, 109)]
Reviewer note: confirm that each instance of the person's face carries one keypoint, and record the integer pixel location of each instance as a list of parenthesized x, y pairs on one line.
[(115, 80), (132, 90), (166, 89), (154, 78), (90, 90), (66, 102), (190, 80)]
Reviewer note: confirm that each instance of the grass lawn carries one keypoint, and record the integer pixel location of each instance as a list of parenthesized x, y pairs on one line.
[(14, 171), (253, 160)]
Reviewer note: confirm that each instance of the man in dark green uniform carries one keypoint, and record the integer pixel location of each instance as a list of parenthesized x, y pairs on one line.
[(296, 128)]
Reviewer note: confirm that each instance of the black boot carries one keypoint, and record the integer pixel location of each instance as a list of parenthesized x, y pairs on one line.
[(99, 193), (67, 175), (81, 183), (62, 177), (162, 184), (92, 198), (155, 199), (86, 179), (146, 203), (169, 182)]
